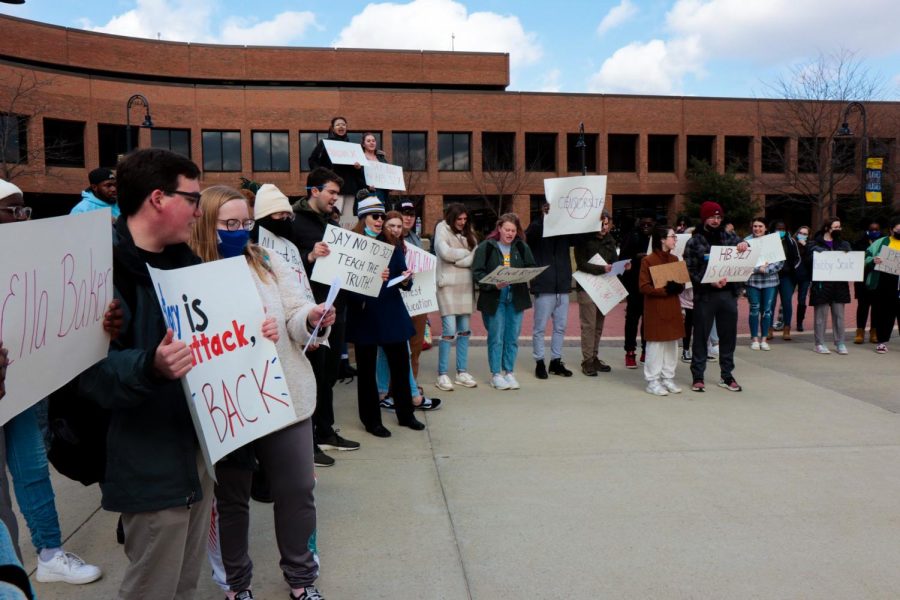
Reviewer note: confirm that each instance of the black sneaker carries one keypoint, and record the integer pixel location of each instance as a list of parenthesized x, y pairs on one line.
[(387, 403), (321, 459), (428, 404), (601, 366), (244, 595), (730, 384), (309, 593), (558, 367), (540, 370), (335, 442)]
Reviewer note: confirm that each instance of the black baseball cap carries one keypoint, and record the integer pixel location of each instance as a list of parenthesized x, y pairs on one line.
[(100, 175)]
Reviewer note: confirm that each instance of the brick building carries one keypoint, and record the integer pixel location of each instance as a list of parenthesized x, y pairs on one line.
[(445, 117)]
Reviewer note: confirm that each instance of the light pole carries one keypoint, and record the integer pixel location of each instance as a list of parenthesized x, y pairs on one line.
[(844, 131), (140, 100), (580, 144)]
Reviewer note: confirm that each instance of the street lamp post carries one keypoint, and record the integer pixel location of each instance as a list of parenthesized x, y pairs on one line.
[(580, 144), (140, 100), (844, 131)]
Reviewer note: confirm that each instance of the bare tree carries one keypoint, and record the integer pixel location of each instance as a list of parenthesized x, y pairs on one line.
[(500, 182)]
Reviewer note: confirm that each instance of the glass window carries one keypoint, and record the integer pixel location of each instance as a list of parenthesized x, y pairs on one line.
[(737, 153), (809, 153), (661, 153), (112, 143), (13, 139), (409, 149), (271, 151), (308, 142), (844, 158), (622, 152), (701, 147), (221, 150), (63, 143), (453, 151), (573, 152), (498, 151), (774, 155), (176, 140), (540, 152)]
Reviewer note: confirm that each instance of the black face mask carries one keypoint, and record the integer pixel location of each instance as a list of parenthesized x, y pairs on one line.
[(280, 227), (836, 235), (897, 235)]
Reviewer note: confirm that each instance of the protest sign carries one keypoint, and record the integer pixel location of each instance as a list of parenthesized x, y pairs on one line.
[(575, 204), (57, 283), (344, 153), (771, 250), (236, 390), (890, 261), (384, 176), (666, 272), (422, 297), (357, 259), (291, 255), (726, 262), (838, 266), (605, 290), (511, 275), (681, 242)]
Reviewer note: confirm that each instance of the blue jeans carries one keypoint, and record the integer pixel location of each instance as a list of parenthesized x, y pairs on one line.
[(761, 301), (803, 291), (27, 460), (503, 329), (454, 327), (786, 287), (547, 306), (383, 374)]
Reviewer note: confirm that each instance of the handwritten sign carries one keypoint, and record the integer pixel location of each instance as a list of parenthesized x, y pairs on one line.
[(56, 281), (771, 249), (726, 262), (838, 266), (384, 176), (358, 260), (422, 297), (575, 204), (511, 275), (344, 153), (890, 261), (605, 290), (291, 255), (236, 389), (666, 272)]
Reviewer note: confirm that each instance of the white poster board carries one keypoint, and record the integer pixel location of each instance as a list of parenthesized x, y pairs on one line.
[(511, 275), (344, 153), (890, 261), (575, 204), (771, 249), (236, 390), (357, 259), (384, 176), (605, 290), (726, 262), (291, 255), (680, 244), (56, 281), (838, 266), (422, 297)]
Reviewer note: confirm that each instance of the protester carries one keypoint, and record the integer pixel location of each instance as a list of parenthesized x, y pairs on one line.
[(713, 302), (454, 244), (101, 193), (663, 325), (502, 304), (864, 296), (884, 288), (223, 231), (787, 278), (551, 293), (350, 177), (272, 211), (634, 248), (373, 153), (761, 288), (829, 295), (803, 272)]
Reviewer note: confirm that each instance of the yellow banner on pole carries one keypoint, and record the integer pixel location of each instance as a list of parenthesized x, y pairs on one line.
[(873, 179)]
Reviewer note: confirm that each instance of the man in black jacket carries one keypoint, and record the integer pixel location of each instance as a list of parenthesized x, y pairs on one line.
[(634, 248)]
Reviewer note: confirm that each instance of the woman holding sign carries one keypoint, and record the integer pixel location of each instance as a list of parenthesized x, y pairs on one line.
[(286, 455), (884, 287), (351, 175), (761, 289), (370, 149), (833, 295)]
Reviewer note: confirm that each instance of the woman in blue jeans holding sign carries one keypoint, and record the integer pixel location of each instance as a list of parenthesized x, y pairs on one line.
[(761, 289), (502, 304)]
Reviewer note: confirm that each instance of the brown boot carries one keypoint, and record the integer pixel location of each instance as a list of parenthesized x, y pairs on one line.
[(873, 337), (860, 336), (771, 335), (589, 368), (786, 333)]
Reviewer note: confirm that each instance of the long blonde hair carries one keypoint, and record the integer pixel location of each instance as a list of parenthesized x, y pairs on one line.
[(204, 241)]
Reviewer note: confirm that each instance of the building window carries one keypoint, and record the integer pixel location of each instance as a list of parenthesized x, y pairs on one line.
[(112, 143), (737, 153), (573, 152), (661, 153), (844, 156), (540, 152), (622, 152), (453, 151), (409, 149), (881, 147), (221, 150), (175, 140), (498, 151), (63, 143), (271, 151), (701, 147), (308, 142), (774, 155), (14, 139), (809, 153)]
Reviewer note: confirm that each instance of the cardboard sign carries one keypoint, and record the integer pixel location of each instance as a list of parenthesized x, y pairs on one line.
[(384, 176), (890, 261), (575, 204), (344, 153), (673, 271), (422, 297), (291, 255), (357, 259), (236, 390), (56, 280), (771, 250), (511, 275), (838, 266), (726, 262), (605, 290)]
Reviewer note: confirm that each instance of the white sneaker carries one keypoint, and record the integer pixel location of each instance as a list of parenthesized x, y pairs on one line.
[(656, 388), (498, 382), (67, 567), (444, 383), (764, 345), (754, 346), (671, 386), (821, 349), (465, 380), (511, 380)]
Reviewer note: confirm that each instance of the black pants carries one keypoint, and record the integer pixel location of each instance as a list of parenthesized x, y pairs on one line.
[(367, 388), (688, 328), (325, 362), (885, 307), (864, 300), (719, 307), (634, 313)]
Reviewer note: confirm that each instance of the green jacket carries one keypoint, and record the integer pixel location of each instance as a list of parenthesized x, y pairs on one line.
[(487, 258), (593, 244), (872, 251)]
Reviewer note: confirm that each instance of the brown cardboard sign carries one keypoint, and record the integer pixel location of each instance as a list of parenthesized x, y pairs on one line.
[(673, 271)]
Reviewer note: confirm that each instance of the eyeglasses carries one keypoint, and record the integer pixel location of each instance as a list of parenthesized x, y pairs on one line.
[(377, 216), (20, 213), (283, 216), (194, 197), (236, 224), (672, 236)]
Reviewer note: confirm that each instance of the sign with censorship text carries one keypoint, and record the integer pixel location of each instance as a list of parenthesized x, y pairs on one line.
[(384, 176), (291, 255), (236, 390), (605, 290), (725, 262), (422, 297), (838, 266), (575, 204), (57, 282), (344, 153), (890, 261), (357, 259), (511, 275)]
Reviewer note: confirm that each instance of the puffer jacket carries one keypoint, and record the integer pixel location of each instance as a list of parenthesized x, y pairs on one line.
[(828, 292)]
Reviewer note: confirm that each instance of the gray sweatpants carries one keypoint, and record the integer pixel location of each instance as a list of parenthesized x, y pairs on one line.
[(837, 322), (547, 306)]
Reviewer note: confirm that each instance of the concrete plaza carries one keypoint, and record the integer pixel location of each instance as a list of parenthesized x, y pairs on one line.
[(588, 488)]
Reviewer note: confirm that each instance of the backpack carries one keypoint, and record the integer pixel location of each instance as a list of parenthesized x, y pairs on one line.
[(77, 435)]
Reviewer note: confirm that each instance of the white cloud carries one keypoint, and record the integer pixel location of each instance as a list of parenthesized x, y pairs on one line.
[(429, 25), (616, 16), (550, 81), (283, 29), (655, 67)]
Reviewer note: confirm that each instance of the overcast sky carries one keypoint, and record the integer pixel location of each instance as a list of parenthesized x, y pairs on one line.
[(672, 47)]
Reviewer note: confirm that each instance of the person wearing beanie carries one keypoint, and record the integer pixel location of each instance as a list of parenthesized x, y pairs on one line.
[(101, 193), (713, 302), (272, 210)]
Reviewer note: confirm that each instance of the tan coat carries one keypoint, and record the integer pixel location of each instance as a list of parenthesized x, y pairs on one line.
[(662, 313), (455, 293)]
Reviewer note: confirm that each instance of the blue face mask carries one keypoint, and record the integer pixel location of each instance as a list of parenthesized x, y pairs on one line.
[(873, 235), (801, 237), (781, 234), (232, 243)]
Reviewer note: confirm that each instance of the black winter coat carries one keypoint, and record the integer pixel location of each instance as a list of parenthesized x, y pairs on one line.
[(553, 252), (593, 244), (487, 258), (309, 228), (827, 292), (634, 248)]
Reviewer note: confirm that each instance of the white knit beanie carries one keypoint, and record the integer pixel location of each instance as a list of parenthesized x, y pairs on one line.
[(270, 200)]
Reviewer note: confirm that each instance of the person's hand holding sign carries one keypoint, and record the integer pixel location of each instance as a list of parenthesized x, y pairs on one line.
[(173, 357), (3, 362), (316, 313), (270, 329), (113, 319), (319, 250)]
